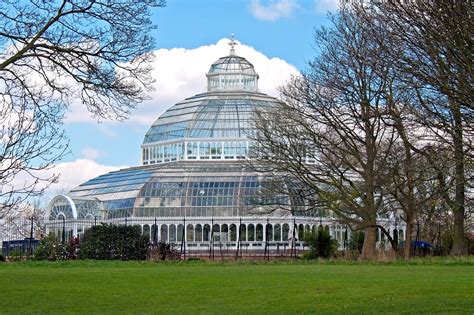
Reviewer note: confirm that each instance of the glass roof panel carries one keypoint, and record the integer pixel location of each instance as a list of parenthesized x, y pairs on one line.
[(212, 115)]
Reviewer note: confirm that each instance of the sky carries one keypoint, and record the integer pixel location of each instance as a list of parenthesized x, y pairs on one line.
[(276, 36)]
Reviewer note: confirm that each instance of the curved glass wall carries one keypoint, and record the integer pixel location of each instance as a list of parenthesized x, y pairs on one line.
[(191, 189)]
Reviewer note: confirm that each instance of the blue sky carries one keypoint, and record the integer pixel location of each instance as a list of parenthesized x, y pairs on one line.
[(276, 36)]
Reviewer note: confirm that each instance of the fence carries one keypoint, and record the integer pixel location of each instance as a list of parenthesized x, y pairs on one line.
[(210, 238)]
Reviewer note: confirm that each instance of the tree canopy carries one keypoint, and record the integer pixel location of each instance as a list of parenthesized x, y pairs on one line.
[(57, 53)]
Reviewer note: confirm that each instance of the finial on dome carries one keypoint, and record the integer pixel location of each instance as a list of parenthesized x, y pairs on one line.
[(232, 44)]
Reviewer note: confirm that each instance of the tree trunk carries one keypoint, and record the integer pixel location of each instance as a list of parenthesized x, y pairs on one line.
[(408, 238), (458, 233), (368, 249)]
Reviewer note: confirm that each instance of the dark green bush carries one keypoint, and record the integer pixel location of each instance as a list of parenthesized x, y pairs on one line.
[(2, 259), (108, 241), (320, 245)]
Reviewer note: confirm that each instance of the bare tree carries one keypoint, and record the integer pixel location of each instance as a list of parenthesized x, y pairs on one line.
[(53, 53), (330, 132), (433, 56)]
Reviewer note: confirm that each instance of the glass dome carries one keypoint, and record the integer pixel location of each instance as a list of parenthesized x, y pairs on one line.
[(232, 64), (212, 125)]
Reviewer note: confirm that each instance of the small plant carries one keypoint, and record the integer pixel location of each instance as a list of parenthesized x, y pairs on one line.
[(320, 245)]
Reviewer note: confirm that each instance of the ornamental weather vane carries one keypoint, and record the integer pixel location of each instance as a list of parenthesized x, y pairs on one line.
[(232, 44)]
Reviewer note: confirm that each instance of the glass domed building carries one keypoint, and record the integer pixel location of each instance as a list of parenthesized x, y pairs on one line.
[(195, 185)]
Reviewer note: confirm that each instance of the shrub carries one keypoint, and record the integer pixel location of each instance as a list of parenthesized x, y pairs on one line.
[(108, 241), (72, 249), (320, 245), (163, 251), (2, 259), (50, 248), (357, 241)]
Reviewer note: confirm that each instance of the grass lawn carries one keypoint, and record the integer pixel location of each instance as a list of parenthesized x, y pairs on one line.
[(220, 288)]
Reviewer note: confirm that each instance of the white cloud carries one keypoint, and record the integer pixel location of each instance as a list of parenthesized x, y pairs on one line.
[(91, 153), (181, 73), (71, 174), (272, 11), (323, 6), (76, 172)]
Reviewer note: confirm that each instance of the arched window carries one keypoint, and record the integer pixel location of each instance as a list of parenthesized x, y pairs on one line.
[(189, 233), (172, 233), (180, 233), (251, 231), (198, 231), (233, 233), (154, 233), (285, 232), (206, 233), (401, 235), (164, 233), (225, 228), (259, 233), (395, 236), (224, 233), (216, 231), (146, 230), (301, 232), (269, 232), (307, 229), (242, 232), (277, 232)]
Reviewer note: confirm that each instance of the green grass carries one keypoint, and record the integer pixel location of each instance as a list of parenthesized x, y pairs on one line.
[(422, 286)]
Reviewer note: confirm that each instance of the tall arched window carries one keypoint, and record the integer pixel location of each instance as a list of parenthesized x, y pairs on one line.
[(190, 233), (224, 233), (198, 236), (206, 233), (242, 232), (154, 233), (233, 233), (259, 233), (180, 233), (285, 232), (164, 233), (277, 232), (401, 235), (269, 232), (216, 231), (146, 230), (251, 233), (300, 232), (172, 233)]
